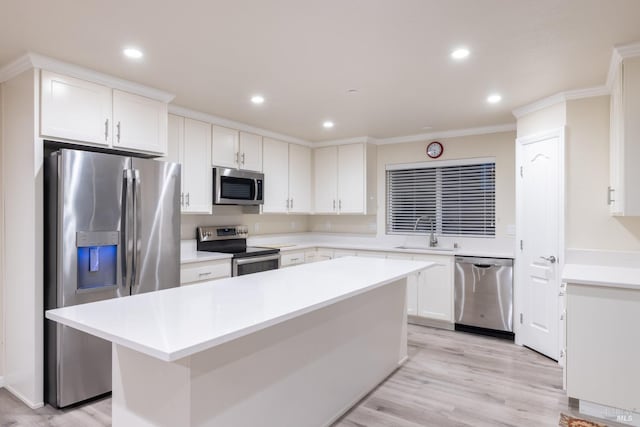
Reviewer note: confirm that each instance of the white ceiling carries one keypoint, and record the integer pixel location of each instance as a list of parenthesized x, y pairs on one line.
[(304, 55)]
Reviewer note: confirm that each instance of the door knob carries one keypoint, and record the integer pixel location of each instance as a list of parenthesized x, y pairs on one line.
[(551, 259)]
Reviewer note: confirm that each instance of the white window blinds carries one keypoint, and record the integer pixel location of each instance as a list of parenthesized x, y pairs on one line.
[(460, 199)]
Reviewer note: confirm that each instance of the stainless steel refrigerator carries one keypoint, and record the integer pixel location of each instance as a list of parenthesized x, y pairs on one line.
[(112, 229)]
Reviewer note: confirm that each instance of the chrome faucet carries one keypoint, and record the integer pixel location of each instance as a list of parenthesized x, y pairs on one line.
[(433, 240)]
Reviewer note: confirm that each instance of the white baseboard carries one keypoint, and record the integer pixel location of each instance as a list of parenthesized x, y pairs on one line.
[(609, 413), (26, 401)]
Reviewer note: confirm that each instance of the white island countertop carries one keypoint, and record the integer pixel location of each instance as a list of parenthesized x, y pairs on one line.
[(179, 322)]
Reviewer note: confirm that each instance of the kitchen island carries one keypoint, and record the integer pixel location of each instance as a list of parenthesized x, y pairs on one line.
[(290, 347)]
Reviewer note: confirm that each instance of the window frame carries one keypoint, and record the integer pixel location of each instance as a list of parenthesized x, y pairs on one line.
[(438, 164)]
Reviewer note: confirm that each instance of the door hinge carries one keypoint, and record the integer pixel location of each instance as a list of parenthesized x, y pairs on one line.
[(521, 171), (521, 247)]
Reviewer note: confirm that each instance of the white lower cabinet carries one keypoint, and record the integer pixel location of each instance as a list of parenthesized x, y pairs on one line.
[(319, 254), (292, 258), (435, 288), (203, 271), (430, 292), (412, 286), (603, 346)]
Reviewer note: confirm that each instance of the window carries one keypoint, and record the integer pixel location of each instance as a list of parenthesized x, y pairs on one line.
[(459, 197)]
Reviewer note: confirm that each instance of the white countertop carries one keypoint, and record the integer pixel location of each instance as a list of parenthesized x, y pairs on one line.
[(190, 254), (178, 322), (602, 275)]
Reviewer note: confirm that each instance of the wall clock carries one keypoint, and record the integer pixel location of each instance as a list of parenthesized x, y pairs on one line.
[(434, 150)]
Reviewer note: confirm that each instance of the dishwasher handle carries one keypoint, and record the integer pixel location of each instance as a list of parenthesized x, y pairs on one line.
[(485, 262), (484, 265)]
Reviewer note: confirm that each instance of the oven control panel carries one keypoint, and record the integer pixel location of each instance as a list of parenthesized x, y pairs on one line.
[(207, 234)]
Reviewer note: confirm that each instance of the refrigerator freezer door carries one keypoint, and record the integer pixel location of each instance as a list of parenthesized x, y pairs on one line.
[(157, 225), (88, 220)]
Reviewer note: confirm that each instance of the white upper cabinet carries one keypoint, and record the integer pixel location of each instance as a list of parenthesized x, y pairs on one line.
[(93, 114), (197, 172), (224, 151), (250, 152), (238, 150), (287, 177), (75, 109), (189, 144), (299, 179), (140, 123), (344, 179), (624, 199), (351, 178), (325, 161), (276, 176)]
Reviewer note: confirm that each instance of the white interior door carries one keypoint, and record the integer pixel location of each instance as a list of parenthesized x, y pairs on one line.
[(540, 195)]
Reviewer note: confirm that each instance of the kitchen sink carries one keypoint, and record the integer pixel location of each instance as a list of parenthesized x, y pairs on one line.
[(426, 248)]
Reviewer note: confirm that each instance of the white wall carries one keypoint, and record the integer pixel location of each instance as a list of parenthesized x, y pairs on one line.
[(23, 266), (498, 145), (588, 223), (552, 117)]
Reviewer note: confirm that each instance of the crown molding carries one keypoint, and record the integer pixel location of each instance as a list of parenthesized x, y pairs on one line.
[(34, 60), (15, 68), (620, 53), (509, 127), (221, 121), (560, 98), (454, 133), (354, 140)]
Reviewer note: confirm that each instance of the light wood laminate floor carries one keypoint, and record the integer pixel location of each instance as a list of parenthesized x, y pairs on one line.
[(451, 379)]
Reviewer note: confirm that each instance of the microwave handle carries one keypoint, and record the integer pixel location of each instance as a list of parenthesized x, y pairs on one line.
[(255, 189)]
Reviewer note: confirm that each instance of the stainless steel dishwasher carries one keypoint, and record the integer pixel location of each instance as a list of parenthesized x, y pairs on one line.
[(484, 296)]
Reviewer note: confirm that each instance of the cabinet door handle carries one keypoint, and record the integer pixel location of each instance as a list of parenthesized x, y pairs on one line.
[(610, 200), (287, 203), (242, 159), (188, 204), (334, 205), (106, 130), (118, 133), (340, 204), (238, 158), (182, 199), (291, 203)]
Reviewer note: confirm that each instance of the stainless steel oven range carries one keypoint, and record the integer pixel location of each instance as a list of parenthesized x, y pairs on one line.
[(233, 240)]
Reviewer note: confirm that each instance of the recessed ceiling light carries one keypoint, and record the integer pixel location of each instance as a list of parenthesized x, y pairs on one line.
[(460, 53), (257, 99), (132, 52), (427, 127), (494, 99), (328, 124), (352, 91)]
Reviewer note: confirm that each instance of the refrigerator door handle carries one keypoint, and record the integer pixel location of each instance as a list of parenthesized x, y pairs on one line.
[(127, 234), (137, 213)]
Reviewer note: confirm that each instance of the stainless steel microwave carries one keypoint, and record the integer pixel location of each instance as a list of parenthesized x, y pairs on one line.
[(237, 187)]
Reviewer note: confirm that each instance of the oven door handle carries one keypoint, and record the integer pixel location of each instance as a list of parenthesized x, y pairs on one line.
[(251, 260)]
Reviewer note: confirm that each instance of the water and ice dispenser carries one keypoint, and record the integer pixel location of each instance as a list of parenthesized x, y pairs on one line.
[(97, 263)]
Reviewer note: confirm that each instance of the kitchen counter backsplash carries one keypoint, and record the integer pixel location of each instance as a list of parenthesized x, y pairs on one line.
[(498, 248)]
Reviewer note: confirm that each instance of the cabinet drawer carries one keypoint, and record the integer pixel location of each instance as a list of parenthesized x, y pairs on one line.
[(292, 259), (198, 272)]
